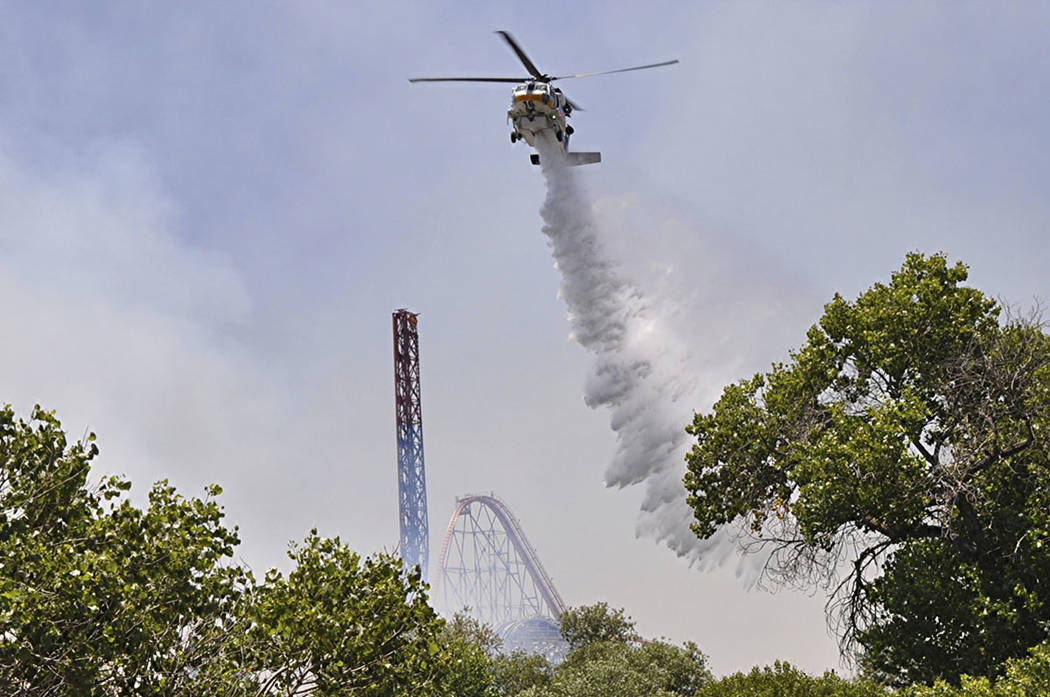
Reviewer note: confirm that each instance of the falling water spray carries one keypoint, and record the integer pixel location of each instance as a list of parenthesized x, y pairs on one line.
[(640, 371)]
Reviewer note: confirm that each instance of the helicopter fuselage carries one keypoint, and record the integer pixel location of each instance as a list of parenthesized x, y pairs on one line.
[(535, 108)]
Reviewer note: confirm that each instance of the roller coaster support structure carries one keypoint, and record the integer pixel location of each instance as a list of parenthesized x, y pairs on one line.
[(488, 565)]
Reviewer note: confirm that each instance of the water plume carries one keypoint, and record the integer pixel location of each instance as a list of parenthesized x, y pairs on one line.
[(640, 372)]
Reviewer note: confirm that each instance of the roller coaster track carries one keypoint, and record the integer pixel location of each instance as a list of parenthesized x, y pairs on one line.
[(488, 565)]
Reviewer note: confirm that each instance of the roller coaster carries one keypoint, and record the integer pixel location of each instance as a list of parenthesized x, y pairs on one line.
[(488, 568)]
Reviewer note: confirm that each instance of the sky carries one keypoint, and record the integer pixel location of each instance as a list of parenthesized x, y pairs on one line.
[(208, 212)]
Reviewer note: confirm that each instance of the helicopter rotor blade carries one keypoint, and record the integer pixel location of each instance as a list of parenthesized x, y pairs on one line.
[(468, 79), (529, 65), (571, 104), (621, 70)]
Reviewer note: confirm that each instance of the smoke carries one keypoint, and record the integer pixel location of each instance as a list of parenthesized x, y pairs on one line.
[(641, 370)]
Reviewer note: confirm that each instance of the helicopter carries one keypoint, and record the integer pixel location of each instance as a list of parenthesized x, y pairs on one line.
[(538, 108)]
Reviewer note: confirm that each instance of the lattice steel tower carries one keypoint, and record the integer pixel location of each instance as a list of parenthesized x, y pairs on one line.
[(411, 476)]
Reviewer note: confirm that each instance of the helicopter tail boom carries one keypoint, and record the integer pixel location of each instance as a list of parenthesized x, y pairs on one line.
[(574, 159), (583, 158)]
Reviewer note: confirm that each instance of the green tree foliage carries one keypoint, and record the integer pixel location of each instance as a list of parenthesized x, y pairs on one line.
[(96, 596), (608, 659), (907, 439), (519, 671), (782, 680), (1025, 677), (627, 669), (588, 624), (469, 649), (338, 624)]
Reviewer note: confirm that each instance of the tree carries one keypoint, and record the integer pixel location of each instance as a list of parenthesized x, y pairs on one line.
[(98, 597), (627, 669), (1024, 677), (477, 665), (904, 444), (608, 659), (469, 651), (784, 680), (338, 624), (519, 671), (588, 624)]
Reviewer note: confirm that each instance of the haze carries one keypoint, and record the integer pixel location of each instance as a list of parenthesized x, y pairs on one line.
[(209, 211)]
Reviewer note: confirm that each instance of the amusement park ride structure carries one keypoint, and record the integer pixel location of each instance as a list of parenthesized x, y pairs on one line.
[(411, 475), (487, 566)]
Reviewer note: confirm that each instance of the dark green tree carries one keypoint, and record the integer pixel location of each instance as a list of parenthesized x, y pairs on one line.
[(1024, 677), (900, 456)]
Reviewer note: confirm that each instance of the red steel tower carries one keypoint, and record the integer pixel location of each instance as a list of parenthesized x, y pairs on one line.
[(411, 476)]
